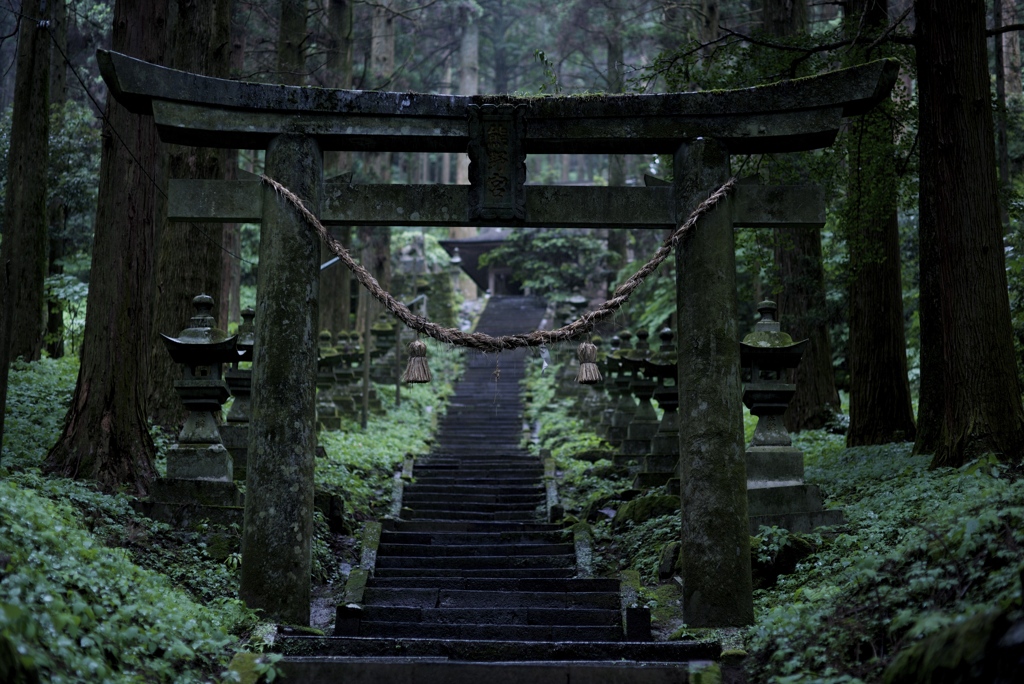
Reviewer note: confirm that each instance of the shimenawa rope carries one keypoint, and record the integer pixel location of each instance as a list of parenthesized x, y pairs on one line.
[(581, 326)]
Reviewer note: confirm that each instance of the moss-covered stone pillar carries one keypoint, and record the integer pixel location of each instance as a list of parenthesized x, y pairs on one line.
[(276, 542), (715, 532)]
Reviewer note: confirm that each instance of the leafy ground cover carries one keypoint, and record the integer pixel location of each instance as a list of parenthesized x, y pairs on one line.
[(926, 569), (91, 590)]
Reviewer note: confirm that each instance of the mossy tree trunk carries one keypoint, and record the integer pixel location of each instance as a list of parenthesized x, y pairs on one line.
[(55, 211), (880, 406), (25, 244), (189, 254), (106, 436), (228, 47), (972, 336), (336, 281)]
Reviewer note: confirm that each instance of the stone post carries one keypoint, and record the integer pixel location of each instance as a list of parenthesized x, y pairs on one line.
[(276, 542), (715, 534)]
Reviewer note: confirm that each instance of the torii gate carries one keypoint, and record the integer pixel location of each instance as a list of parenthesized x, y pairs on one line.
[(295, 125)]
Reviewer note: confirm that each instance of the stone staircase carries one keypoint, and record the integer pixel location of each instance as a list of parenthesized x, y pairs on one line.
[(471, 584)]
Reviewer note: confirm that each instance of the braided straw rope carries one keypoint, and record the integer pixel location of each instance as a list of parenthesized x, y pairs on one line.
[(486, 343)]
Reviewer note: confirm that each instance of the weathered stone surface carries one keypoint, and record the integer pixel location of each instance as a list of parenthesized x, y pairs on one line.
[(550, 206), (199, 462), (790, 115), (276, 544), (715, 529)]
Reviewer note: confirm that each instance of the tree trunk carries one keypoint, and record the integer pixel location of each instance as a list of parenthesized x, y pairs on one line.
[(981, 406), (336, 281), (25, 243), (802, 305), (618, 240), (291, 59), (1002, 148), (189, 254), (784, 17), (106, 436), (469, 84), (880, 404), (1011, 49), (382, 47), (232, 54), (55, 210)]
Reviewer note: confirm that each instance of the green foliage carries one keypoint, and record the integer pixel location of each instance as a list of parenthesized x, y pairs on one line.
[(78, 611), (902, 568), (360, 463), (37, 399), (551, 261)]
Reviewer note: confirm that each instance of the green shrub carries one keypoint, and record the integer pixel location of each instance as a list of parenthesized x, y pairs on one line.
[(76, 610)]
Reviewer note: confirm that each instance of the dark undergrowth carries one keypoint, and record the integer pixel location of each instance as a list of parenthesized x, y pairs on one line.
[(91, 590), (917, 584)]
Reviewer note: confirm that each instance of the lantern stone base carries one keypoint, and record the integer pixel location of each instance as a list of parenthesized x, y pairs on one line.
[(184, 502), (235, 437), (777, 495), (775, 466), (199, 462)]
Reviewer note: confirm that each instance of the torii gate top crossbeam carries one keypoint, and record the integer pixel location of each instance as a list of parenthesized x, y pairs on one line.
[(787, 116)]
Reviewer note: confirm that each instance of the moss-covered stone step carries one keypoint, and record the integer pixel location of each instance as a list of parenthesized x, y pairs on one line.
[(477, 562), (463, 572), (391, 670), (488, 632), (512, 549), (505, 650), (459, 526), (462, 598), (503, 584), (594, 617), (413, 494)]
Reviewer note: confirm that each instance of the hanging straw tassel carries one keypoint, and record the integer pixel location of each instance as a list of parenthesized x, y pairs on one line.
[(588, 373), (417, 371)]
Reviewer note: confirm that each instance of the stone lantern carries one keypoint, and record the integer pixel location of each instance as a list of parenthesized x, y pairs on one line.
[(776, 493), (768, 353), (201, 349)]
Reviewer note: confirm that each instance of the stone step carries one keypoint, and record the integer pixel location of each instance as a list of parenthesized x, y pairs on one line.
[(513, 573), (441, 670), (528, 584), (472, 507), (476, 480), (468, 598), (505, 650), (419, 630), (471, 539), (464, 550), (476, 562), (453, 516), (469, 526), (459, 489), (412, 495), (592, 617), (472, 471)]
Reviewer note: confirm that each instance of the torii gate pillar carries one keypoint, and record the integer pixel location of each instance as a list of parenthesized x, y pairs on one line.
[(277, 538), (717, 589)]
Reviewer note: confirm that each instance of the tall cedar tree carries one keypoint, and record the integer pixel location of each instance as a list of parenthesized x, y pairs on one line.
[(55, 210), (802, 305), (25, 245), (880, 407), (24, 248), (106, 437), (969, 378), (336, 281), (188, 259)]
